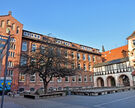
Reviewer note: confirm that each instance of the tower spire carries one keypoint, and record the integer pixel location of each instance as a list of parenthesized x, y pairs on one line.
[(103, 49)]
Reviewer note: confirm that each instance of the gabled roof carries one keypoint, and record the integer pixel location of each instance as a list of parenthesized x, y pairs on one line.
[(112, 62), (10, 15), (132, 35), (117, 53)]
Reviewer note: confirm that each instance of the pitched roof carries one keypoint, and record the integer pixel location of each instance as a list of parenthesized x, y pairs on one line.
[(116, 61), (132, 35), (117, 53)]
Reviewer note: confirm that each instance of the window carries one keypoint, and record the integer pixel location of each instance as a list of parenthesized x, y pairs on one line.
[(8, 30), (41, 80), (10, 64), (21, 77), (12, 46), (11, 54), (59, 79), (78, 56), (12, 40), (23, 61), (13, 26), (2, 24), (66, 53), (17, 30), (133, 42), (24, 46), (38, 37), (91, 78), (42, 50), (72, 54), (84, 67), (32, 89), (8, 22), (33, 47), (85, 78), (90, 67), (79, 78), (21, 89), (66, 79), (35, 35), (83, 56), (32, 78), (73, 78), (94, 59), (79, 66), (73, 66), (10, 73), (89, 57)]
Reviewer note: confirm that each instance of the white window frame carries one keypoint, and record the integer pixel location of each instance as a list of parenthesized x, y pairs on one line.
[(67, 78), (34, 77), (74, 78), (21, 74)]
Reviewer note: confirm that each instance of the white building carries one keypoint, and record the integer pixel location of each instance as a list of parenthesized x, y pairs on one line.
[(113, 73)]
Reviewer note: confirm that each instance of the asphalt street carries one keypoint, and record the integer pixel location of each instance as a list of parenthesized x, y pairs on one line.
[(116, 100)]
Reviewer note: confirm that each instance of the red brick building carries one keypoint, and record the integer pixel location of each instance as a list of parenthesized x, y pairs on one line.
[(24, 41)]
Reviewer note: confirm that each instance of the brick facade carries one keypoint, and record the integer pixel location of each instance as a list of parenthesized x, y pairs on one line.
[(31, 37)]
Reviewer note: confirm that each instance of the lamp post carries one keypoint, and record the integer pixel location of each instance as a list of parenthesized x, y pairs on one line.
[(6, 65)]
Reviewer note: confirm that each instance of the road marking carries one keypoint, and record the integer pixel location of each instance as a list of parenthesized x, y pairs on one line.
[(101, 105)]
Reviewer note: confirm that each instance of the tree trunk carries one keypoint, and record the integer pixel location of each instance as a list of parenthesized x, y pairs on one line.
[(45, 87)]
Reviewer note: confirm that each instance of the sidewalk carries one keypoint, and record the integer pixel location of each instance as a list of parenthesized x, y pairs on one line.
[(12, 105)]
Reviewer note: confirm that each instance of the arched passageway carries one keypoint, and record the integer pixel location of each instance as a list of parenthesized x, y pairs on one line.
[(124, 80), (100, 82), (111, 81)]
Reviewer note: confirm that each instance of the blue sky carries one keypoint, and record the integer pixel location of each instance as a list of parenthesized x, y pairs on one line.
[(90, 22)]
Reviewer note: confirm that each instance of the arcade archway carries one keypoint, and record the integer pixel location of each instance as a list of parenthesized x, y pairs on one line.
[(100, 82), (124, 80), (111, 81)]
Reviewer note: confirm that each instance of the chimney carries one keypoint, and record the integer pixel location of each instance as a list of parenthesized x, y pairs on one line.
[(9, 13)]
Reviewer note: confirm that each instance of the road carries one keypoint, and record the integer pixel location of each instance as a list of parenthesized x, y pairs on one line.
[(117, 100)]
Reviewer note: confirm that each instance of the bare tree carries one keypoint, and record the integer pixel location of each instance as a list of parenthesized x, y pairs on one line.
[(48, 61)]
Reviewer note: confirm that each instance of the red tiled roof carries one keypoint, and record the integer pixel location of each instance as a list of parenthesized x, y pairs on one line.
[(116, 53)]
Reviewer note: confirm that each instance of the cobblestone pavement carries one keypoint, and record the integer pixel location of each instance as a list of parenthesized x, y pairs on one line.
[(117, 100)]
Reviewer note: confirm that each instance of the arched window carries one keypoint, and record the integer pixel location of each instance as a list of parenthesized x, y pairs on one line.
[(13, 26), (17, 30), (8, 22), (2, 24)]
